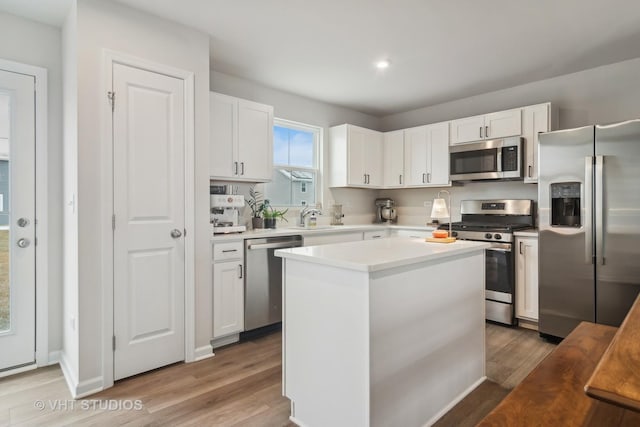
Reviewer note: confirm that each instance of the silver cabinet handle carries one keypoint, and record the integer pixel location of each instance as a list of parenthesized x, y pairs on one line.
[(175, 233), (365, 178), (429, 177), (23, 243), (400, 179), (481, 132), (22, 222), (241, 168), (486, 131), (520, 249), (235, 168), (424, 177), (224, 251), (240, 271), (529, 171)]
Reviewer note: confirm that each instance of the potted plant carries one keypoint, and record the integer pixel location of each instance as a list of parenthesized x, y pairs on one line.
[(271, 215), (256, 203)]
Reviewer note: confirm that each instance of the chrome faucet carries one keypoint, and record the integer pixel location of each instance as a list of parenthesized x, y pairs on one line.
[(306, 210)]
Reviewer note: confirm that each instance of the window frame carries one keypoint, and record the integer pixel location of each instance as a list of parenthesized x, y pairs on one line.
[(317, 156)]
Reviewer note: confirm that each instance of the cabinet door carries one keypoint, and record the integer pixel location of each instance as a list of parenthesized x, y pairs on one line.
[(527, 278), (535, 119), (223, 130), (255, 141), (356, 143), (438, 154), (415, 149), (467, 129), (228, 298), (393, 159), (373, 159), (503, 123)]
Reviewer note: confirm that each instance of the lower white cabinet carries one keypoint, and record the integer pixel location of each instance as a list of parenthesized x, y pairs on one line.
[(228, 288), (326, 239), (527, 278)]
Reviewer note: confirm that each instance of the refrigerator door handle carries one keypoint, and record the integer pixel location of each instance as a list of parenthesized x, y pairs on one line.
[(599, 222), (588, 210)]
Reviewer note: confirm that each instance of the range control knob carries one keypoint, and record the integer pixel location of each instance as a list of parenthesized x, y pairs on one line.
[(497, 236), (488, 236)]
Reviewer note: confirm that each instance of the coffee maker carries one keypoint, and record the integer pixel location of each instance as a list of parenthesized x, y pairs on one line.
[(225, 213), (386, 212)]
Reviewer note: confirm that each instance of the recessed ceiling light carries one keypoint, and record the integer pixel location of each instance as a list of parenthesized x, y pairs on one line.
[(381, 65)]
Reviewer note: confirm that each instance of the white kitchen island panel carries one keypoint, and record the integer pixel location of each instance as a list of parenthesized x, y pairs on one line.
[(382, 346)]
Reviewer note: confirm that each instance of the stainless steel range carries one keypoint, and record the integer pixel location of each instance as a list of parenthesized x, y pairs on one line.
[(495, 221)]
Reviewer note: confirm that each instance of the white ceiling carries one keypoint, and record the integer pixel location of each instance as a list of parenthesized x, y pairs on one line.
[(440, 50)]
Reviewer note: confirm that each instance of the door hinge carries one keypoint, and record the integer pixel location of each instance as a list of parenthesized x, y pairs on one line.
[(112, 100), (113, 221), (113, 343)]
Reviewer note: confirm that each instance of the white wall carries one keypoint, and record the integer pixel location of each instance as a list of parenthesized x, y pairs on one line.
[(109, 25), (357, 203), (600, 95), (38, 44)]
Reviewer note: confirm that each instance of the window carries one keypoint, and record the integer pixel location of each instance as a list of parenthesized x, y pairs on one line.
[(295, 164)]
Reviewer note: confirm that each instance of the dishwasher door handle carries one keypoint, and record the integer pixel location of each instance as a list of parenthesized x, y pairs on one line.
[(279, 245)]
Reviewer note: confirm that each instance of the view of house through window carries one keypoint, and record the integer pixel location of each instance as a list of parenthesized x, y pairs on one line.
[(295, 164)]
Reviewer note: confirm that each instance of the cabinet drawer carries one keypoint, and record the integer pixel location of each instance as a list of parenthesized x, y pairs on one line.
[(228, 250)]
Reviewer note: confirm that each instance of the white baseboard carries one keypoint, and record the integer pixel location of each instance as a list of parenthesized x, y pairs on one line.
[(54, 357), (230, 339), (454, 402), (19, 370), (528, 324), (79, 389), (69, 376), (204, 352)]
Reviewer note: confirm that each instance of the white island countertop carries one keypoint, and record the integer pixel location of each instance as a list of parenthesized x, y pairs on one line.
[(382, 254)]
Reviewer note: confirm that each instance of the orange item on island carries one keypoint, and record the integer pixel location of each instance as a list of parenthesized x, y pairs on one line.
[(440, 234)]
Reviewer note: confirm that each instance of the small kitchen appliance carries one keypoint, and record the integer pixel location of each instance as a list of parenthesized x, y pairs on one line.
[(495, 221), (386, 212), (225, 213)]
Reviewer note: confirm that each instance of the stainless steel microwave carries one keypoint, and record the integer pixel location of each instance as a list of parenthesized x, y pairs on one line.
[(493, 159)]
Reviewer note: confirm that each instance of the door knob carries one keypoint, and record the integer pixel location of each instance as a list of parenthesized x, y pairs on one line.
[(175, 233), (23, 243), (23, 222)]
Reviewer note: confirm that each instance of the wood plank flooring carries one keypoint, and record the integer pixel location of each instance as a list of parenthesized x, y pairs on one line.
[(240, 386)]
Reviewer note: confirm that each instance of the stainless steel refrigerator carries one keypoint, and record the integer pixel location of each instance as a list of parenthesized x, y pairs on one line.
[(589, 220)]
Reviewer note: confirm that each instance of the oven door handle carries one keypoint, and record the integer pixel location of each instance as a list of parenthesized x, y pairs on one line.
[(500, 248)]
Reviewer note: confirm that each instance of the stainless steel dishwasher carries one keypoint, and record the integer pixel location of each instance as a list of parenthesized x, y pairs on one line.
[(263, 280)]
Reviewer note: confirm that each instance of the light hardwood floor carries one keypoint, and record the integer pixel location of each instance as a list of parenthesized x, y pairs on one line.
[(240, 386)]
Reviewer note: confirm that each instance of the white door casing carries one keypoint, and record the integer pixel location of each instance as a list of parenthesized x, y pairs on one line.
[(149, 205), (17, 337)]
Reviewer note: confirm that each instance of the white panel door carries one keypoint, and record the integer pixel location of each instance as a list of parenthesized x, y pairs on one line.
[(17, 220), (393, 159), (503, 123), (228, 298), (224, 136), (149, 206), (527, 278), (467, 129), (535, 119), (373, 159), (356, 143), (415, 149), (438, 163)]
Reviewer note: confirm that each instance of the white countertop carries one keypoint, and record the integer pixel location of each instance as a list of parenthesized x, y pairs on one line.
[(321, 229), (376, 255)]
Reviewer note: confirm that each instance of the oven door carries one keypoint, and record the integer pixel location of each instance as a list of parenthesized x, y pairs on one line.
[(500, 273)]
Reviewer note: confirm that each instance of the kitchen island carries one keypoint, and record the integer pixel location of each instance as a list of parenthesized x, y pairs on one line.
[(384, 332)]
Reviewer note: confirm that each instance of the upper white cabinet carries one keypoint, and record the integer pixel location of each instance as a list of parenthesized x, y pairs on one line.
[(535, 119), (393, 159), (241, 146), (527, 278), (488, 126), (426, 151), (355, 157)]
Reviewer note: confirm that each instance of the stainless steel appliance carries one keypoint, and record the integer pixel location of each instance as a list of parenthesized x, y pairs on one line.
[(386, 211), (589, 219), (225, 213), (495, 159), (494, 221), (263, 280)]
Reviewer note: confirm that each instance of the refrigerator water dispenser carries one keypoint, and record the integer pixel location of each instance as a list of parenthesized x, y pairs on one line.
[(565, 204)]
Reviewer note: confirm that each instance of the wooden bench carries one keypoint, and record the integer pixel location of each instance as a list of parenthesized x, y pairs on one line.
[(553, 393)]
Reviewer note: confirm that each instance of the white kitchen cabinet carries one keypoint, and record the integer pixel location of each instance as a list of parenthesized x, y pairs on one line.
[(535, 119), (228, 288), (355, 157), (393, 159), (527, 278), (372, 235), (326, 239), (500, 124), (427, 155), (241, 146), (412, 234)]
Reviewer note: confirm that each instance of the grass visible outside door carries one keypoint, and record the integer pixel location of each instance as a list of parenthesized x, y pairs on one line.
[(4, 280)]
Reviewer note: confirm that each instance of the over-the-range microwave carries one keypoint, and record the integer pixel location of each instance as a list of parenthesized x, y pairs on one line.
[(493, 159)]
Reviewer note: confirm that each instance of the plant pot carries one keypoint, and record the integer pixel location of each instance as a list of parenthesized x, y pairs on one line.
[(269, 223), (257, 223)]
